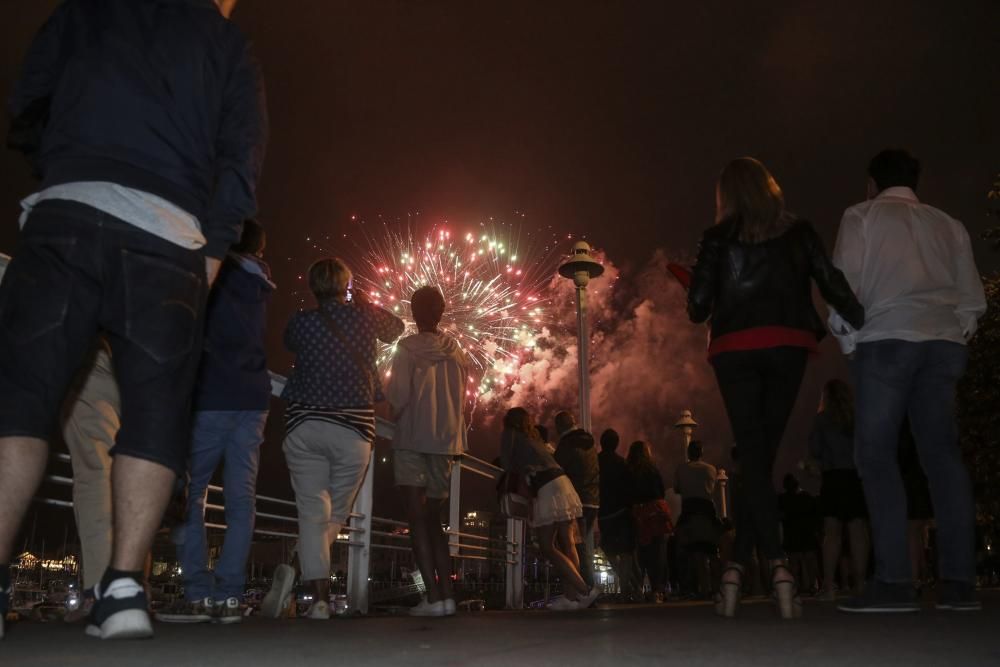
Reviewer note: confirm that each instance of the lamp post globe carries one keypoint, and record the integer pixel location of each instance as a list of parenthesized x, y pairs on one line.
[(581, 267)]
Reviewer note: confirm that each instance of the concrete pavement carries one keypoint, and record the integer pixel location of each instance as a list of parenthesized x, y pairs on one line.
[(679, 634)]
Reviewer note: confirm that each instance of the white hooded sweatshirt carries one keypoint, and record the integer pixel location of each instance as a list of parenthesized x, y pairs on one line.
[(427, 388)]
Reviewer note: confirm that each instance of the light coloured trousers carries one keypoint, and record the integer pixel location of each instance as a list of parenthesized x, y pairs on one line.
[(93, 417), (327, 463)]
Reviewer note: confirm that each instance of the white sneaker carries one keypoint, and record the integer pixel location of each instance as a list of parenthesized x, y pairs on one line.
[(450, 608), (425, 608), (276, 600), (591, 598), (319, 611), (563, 603)]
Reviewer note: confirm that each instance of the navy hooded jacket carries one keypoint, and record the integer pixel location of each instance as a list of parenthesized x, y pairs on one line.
[(233, 373), (156, 95)]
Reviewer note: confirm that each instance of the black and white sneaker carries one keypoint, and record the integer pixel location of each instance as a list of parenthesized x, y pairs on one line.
[(197, 611), (957, 596), (228, 611), (120, 611)]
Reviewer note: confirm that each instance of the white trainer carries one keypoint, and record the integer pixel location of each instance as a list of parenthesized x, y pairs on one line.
[(562, 603), (276, 600), (319, 611), (429, 609)]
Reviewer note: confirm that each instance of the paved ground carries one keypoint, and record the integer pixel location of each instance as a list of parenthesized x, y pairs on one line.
[(684, 635)]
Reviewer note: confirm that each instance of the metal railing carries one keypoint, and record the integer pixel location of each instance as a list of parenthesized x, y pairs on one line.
[(362, 522)]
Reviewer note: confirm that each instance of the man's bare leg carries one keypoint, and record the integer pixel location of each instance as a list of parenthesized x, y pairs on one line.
[(22, 464), (140, 490), (421, 538), (440, 549)]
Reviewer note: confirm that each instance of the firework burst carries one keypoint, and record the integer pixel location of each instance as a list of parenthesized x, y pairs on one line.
[(494, 280), (496, 304)]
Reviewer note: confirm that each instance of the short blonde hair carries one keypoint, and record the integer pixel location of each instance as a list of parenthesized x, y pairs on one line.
[(329, 279)]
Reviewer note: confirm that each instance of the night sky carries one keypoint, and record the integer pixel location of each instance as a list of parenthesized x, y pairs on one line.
[(608, 120)]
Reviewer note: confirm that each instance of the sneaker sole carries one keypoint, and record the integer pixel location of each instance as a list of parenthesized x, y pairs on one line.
[(951, 607), (879, 610), (426, 614), (127, 624), (277, 598), (228, 620), (182, 619)]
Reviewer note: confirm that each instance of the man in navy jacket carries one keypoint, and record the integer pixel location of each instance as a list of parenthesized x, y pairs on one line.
[(145, 121)]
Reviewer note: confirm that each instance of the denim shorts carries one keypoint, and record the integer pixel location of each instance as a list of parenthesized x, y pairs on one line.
[(78, 272)]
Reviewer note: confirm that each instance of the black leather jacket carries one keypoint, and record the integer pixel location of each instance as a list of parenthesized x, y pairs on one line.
[(742, 286)]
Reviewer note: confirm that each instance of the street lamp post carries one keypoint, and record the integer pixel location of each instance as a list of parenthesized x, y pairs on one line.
[(580, 268)]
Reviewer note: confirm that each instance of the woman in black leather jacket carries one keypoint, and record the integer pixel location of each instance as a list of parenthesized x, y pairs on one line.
[(753, 279)]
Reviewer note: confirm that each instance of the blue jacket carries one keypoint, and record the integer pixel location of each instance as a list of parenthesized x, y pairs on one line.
[(233, 373), (157, 95), (328, 375)]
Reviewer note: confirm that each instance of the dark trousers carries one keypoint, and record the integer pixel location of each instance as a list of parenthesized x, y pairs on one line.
[(585, 550), (895, 379), (652, 563), (759, 389)]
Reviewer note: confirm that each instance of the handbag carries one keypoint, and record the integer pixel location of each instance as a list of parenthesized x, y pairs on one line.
[(514, 495), (652, 520)]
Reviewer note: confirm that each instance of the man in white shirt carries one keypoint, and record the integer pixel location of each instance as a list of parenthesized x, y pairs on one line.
[(911, 267)]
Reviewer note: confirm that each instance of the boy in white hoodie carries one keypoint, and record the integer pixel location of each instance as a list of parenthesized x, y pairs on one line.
[(426, 389)]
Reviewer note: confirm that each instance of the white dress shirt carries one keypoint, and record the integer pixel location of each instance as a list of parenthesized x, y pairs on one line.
[(911, 267)]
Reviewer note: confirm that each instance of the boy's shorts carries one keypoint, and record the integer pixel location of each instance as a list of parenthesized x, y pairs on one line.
[(428, 471)]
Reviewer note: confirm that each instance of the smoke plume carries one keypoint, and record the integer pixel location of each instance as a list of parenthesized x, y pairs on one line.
[(648, 363)]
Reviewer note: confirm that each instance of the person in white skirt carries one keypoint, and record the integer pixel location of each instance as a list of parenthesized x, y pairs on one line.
[(555, 507)]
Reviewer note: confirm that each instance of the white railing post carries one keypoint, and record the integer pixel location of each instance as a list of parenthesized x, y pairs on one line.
[(358, 555), (454, 508), (514, 581)]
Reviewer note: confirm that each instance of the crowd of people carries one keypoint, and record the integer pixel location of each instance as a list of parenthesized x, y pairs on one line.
[(905, 297), (133, 315)]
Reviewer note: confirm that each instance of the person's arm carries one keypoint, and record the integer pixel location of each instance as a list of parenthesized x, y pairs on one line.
[(701, 293), (816, 443), (28, 104), (388, 327), (971, 297), (397, 390), (239, 151), (831, 281), (849, 257)]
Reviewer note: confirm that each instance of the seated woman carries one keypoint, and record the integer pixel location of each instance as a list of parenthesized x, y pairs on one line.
[(554, 508)]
